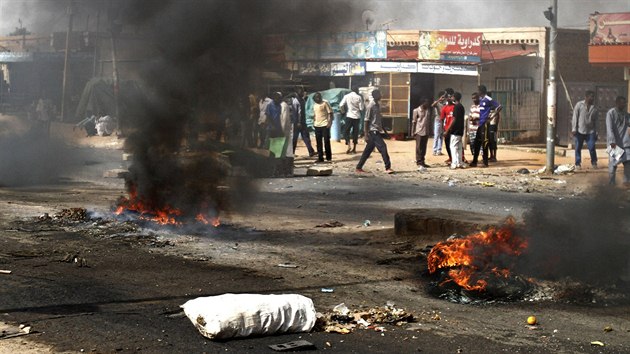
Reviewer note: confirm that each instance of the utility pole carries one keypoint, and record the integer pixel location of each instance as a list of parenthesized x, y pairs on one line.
[(115, 29), (65, 60), (96, 41), (552, 15)]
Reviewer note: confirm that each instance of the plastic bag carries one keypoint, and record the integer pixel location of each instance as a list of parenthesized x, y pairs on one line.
[(241, 315), (276, 146)]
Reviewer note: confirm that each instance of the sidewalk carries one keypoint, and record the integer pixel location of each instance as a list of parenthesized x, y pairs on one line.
[(402, 155)]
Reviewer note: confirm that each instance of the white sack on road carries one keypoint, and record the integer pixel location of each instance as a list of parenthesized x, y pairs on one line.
[(241, 315)]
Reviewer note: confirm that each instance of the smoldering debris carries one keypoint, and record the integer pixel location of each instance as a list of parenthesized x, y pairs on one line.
[(571, 251)]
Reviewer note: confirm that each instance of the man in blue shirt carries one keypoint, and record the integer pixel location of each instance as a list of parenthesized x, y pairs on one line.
[(274, 127), (486, 105)]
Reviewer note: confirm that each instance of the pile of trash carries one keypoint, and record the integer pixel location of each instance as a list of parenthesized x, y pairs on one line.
[(343, 320), (67, 216), (73, 214)]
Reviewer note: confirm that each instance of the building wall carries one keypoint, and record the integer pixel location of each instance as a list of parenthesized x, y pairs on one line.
[(579, 75), (573, 65), (519, 67)]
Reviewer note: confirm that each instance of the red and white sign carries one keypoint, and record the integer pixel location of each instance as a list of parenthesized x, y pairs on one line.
[(613, 28)]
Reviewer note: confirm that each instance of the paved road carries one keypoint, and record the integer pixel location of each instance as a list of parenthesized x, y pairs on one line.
[(127, 300)]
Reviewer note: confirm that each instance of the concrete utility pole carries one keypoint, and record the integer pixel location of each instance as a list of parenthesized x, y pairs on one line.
[(115, 78), (65, 60), (96, 42), (114, 30), (552, 15)]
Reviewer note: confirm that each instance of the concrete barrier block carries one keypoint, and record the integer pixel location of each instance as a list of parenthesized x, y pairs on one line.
[(319, 171), (441, 222)]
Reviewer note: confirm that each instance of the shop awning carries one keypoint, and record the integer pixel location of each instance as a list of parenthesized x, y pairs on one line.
[(402, 45), (495, 52)]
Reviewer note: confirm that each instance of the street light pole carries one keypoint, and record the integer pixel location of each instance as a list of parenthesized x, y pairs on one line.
[(552, 15)]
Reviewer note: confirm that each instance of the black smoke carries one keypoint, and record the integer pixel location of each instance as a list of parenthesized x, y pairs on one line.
[(31, 158), (582, 239), (208, 56)]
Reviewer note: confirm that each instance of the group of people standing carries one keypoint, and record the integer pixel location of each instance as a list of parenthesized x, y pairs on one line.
[(445, 119), (448, 116), (276, 116), (285, 117), (584, 129)]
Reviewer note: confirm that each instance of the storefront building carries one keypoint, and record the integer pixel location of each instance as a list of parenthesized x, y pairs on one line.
[(410, 65)]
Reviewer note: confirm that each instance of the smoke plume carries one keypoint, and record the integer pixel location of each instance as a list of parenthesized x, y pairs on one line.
[(208, 58), (29, 157), (584, 239)]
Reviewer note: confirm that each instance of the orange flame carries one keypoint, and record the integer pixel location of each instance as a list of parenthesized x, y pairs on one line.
[(473, 258), (213, 221), (165, 215)]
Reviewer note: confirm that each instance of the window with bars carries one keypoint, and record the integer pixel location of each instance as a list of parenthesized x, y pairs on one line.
[(513, 84), (394, 88)]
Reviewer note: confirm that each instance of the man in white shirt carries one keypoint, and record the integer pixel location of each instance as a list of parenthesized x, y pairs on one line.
[(323, 117), (618, 135), (352, 105)]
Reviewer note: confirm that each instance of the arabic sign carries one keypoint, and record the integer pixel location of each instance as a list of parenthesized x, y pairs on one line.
[(450, 46), (331, 46), (15, 57), (391, 67), (611, 28), (434, 68), (331, 69)]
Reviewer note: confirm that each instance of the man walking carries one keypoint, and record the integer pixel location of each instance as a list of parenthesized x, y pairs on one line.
[(353, 106), (486, 104), (456, 132), (323, 114), (618, 135), (373, 132), (421, 121), (584, 128), (299, 121)]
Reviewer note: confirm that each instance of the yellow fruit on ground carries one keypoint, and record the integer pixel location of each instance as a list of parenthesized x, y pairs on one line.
[(531, 320)]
